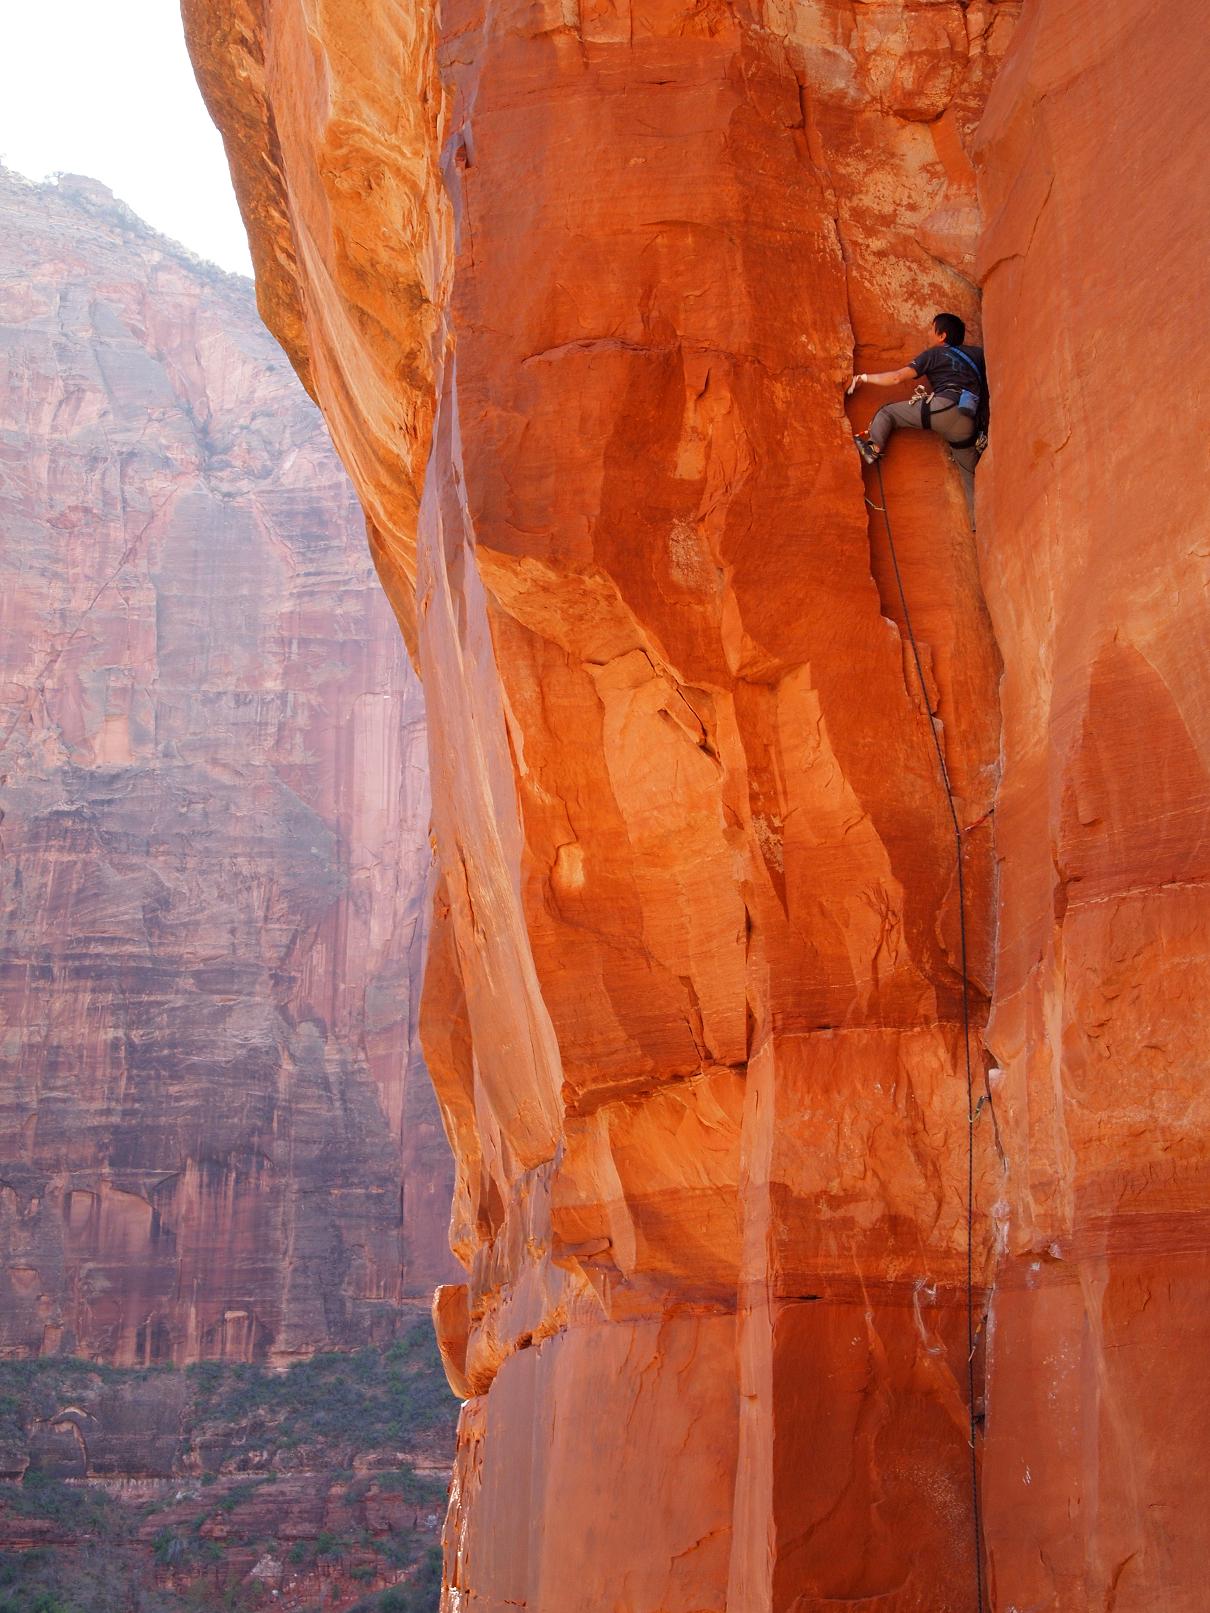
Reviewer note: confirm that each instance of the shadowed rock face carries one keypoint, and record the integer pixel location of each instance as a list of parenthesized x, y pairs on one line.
[(578, 291), (1096, 562), (217, 1137)]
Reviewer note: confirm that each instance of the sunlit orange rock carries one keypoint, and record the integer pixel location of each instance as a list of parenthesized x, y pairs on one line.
[(216, 1134), (693, 1006), (578, 290)]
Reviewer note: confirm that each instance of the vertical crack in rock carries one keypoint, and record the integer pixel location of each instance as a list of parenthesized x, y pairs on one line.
[(705, 1080)]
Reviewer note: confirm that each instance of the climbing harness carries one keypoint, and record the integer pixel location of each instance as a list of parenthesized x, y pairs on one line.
[(972, 1112), (928, 410), (975, 408), (929, 407)]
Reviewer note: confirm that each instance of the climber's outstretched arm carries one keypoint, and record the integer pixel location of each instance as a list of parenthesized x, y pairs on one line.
[(885, 378)]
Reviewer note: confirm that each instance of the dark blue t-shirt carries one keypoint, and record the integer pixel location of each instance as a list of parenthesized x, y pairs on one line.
[(945, 373)]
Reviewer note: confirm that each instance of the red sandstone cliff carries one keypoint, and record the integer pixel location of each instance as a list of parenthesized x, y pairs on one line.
[(217, 1135), (577, 289), (1092, 159)]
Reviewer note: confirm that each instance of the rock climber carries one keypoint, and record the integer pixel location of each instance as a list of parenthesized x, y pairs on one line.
[(952, 401)]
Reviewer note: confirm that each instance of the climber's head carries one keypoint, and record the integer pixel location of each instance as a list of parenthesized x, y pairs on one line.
[(949, 330)]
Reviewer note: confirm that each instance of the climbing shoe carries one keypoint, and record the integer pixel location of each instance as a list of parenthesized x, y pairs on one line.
[(868, 451)]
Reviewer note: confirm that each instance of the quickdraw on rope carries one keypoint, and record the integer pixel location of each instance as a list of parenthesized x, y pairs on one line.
[(971, 1109)]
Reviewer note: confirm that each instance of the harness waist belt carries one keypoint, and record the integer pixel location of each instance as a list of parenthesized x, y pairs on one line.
[(928, 408)]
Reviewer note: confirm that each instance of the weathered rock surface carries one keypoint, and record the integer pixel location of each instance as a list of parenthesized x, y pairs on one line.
[(217, 1136), (1096, 566), (577, 290)]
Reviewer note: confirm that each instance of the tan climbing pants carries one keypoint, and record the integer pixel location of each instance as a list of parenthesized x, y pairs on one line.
[(946, 421)]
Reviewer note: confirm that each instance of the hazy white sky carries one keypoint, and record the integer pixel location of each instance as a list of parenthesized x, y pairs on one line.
[(104, 88)]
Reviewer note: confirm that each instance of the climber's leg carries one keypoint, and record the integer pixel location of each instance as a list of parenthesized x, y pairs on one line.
[(966, 459), (890, 418), (954, 427)]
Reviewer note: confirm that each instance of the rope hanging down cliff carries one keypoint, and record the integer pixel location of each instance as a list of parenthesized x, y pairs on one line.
[(972, 1109)]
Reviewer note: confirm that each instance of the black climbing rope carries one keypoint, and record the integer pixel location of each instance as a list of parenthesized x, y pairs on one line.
[(971, 1109)]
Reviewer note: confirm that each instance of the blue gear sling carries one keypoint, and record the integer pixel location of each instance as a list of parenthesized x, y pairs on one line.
[(968, 401)]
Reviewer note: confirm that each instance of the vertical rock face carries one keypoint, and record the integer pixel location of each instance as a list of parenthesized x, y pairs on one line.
[(215, 817), (1092, 164), (578, 289)]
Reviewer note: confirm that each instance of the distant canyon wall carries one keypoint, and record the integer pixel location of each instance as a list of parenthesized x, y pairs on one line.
[(578, 290), (217, 1138)]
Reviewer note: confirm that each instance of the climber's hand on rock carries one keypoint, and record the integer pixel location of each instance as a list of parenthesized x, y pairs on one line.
[(853, 385)]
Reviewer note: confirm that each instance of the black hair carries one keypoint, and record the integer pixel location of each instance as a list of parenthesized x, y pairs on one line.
[(951, 327)]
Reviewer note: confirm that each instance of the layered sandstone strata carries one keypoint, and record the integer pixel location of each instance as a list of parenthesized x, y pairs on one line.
[(218, 1139), (578, 289)]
